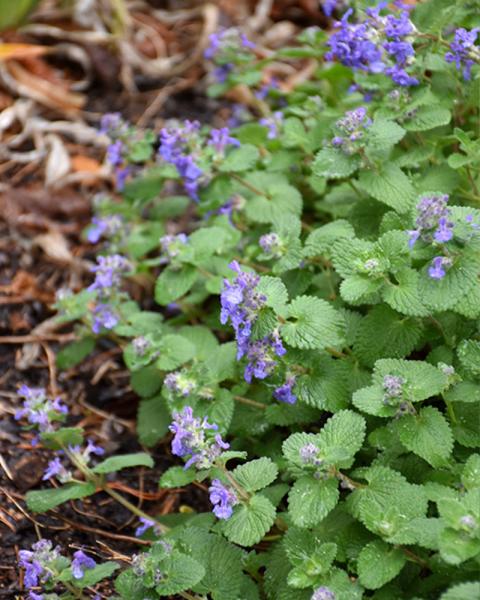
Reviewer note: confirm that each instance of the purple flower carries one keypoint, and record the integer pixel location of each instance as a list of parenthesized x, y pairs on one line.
[(284, 393), (226, 42), (351, 126), (104, 317), (223, 499), (56, 469), (438, 266), (377, 45), (145, 525), (241, 303), (271, 244), (36, 560), (323, 593), (179, 383), (329, 6), (171, 245), (93, 449), (221, 138), (114, 153), (309, 455), (81, 562), (108, 274), (106, 226), (260, 356), (444, 232), (111, 123), (265, 89), (39, 410), (121, 175), (34, 596), (192, 438), (468, 522), (273, 124), (141, 345), (392, 387), (432, 221), (464, 53)]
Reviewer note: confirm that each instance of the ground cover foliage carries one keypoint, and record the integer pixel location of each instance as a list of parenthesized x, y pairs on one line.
[(312, 341)]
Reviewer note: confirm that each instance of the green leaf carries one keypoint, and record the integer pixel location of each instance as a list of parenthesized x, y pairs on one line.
[(458, 546), (256, 474), (404, 295), (320, 240), (295, 135), (175, 350), (74, 353), (468, 352), (314, 323), (332, 163), (385, 333), (42, 500), (240, 159), (428, 117), (382, 136), (250, 521), (172, 284), (153, 420), (99, 572), (180, 572), (310, 500), (274, 290), (342, 437), (177, 477), (391, 186), (116, 463), (422, 379), (277, 200), (60, 439), (428, 435), (146, 381), (388, 502), (130, 587), (378, 563), (463, 591)]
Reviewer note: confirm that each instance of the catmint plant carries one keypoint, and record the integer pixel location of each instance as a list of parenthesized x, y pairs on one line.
[(302, 331)]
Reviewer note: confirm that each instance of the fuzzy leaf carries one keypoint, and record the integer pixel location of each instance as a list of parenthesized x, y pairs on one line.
[(116, 463), (332, 163), (250, 522), (378, 563), (42, 500), (310, 500), (256, 474), (391, 186)]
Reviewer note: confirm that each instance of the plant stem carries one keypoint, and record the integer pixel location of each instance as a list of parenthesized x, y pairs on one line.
[(249, 186), (244, 495), (132, 508), (250, 402)]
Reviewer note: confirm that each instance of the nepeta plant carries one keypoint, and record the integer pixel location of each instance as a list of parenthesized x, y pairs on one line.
[(314, 349)]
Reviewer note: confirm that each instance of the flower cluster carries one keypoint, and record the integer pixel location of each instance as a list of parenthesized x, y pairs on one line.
[(43, 562), (380, 44), (463, 51), (284, 393), (351, 127), (392, 388), (57, 469), (272, 245), (147, 524), (191, 439), (309, 454), (226, 48), (179, 383), (223, 498), (107, 227), (108, 277), (260, 356), (108, 274), (171, 245), (323, 593), (180, 147), (273, 123), (115, 127), (433, 225), (38, 409), (241, 303)]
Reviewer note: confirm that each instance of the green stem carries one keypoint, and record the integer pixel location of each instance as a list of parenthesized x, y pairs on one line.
[(249, 186), (450, 411), (243, 494), (73, 590), (250, 402), (132, 508)]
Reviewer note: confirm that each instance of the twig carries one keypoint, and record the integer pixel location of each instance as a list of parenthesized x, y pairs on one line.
[(102, 532), (29, 339)]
